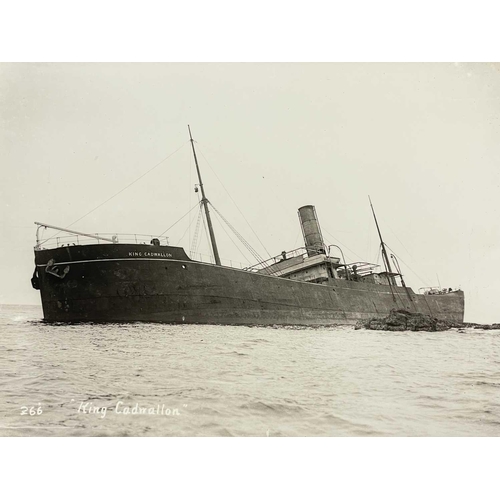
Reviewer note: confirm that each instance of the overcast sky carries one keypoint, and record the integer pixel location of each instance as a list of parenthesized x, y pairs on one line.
[(423, 140)]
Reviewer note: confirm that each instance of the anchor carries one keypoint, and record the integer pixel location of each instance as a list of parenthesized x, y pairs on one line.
[(53, 269)]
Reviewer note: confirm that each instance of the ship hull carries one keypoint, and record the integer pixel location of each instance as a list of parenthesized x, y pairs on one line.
[(126, 283)]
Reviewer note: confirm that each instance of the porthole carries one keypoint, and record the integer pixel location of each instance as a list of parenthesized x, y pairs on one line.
[(184, 266)]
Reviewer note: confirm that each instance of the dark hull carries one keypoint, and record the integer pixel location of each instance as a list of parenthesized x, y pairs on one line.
[(125, 283)]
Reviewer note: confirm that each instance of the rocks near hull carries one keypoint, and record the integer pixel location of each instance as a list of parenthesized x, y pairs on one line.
[(401, 320)]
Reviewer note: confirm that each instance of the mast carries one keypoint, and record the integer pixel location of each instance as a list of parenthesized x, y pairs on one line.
[(204, 200), (384, 252)]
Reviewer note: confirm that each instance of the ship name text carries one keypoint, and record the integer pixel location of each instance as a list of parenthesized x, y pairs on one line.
[(150, 254)]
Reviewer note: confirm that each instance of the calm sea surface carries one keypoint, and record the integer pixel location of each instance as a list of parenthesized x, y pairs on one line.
[(165, 380)]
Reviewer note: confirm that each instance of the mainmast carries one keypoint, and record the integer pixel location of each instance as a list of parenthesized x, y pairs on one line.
[(384, 252), (204, 200)]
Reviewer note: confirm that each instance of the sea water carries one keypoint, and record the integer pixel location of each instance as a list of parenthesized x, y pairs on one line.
[(146, 379)]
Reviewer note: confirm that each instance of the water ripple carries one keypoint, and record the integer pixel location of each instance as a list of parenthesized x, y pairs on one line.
[(185, 380)]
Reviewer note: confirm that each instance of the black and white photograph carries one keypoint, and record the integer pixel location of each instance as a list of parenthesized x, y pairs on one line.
[(221, 248), (180, 266)]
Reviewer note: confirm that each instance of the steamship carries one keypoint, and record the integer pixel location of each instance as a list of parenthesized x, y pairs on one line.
[(95, 278)]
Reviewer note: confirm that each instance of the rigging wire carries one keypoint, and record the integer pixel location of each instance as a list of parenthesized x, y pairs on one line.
[(199, 238), (208, 241), (411, 256), (247, 245), (296, 238), (256, 235), (399, 258), (378, 254), (345, 246), (238, 235), (232, 241), (189, 225), (194, 243), (401, 243), (119, 192), (126, 187), (178, 220)]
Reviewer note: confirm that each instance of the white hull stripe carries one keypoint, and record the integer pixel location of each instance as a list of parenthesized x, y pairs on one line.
[(118, 260)]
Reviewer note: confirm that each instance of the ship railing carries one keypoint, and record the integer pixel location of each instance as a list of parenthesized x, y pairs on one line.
[(274, 260), (70, 237), (98, 238), (297, 252), (435, 290), (363, 268), (353, 269)]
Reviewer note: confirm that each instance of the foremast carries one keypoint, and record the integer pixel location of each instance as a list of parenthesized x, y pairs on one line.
[(204, 201)]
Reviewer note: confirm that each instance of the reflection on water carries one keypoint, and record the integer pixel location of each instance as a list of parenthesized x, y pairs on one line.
[(165, 380)]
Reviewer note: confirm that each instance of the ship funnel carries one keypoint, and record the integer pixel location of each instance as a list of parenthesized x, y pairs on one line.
[(311, 230)]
